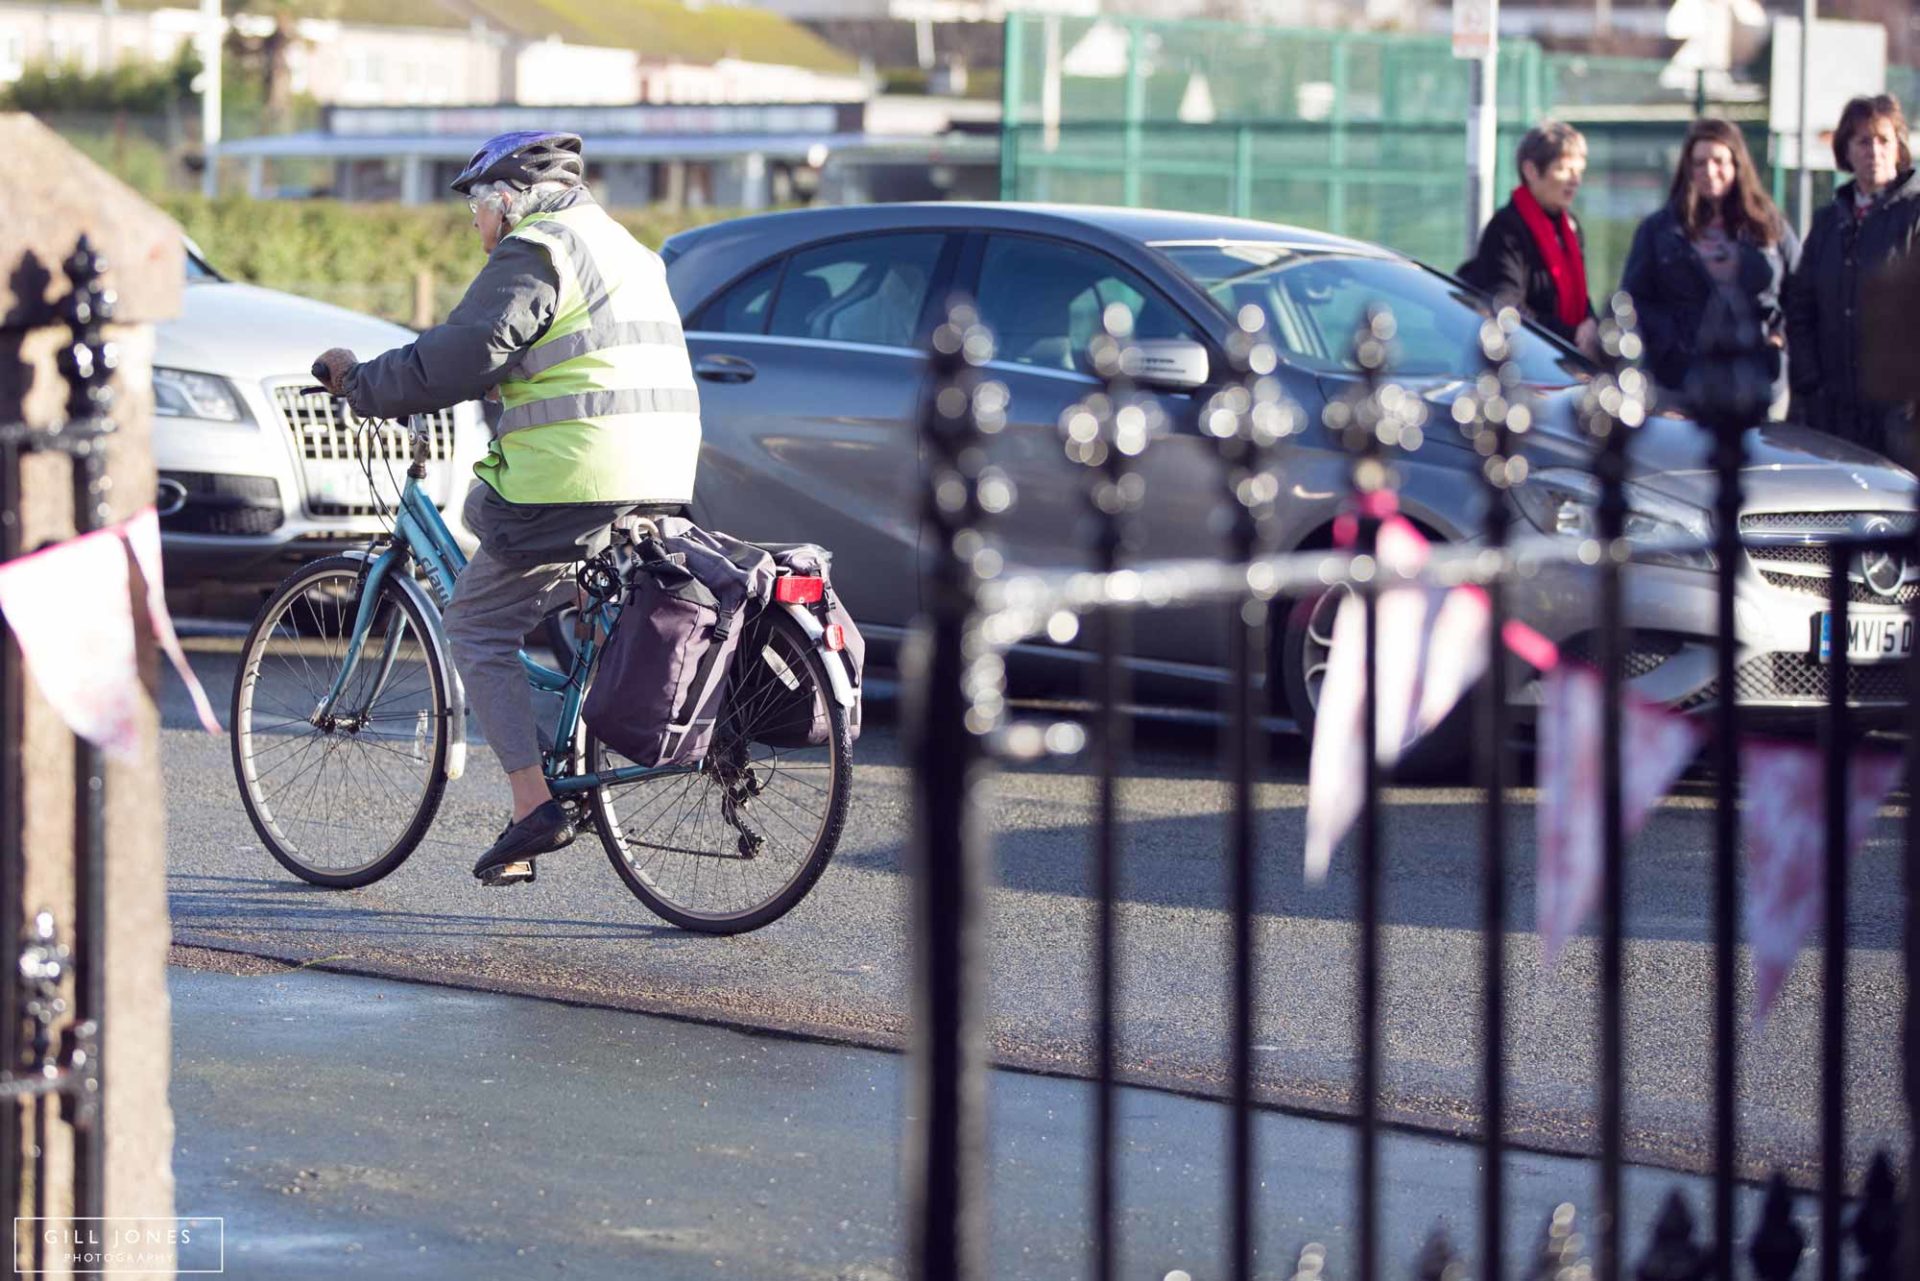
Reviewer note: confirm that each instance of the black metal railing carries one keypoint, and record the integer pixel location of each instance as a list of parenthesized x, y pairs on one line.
[(60, 1060), (957, 729)]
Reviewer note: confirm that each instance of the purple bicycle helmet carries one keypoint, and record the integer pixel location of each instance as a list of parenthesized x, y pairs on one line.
[(524, 158)]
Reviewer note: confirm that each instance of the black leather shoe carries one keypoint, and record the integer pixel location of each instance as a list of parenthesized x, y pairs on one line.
[(545, 830)]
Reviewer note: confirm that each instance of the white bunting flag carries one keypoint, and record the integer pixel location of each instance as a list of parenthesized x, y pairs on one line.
[(70, 610), (1432, 646), (1786, 831), (143, 537), (1656, 745)]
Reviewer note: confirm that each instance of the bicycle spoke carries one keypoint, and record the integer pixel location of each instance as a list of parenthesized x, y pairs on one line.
[(338, 793)]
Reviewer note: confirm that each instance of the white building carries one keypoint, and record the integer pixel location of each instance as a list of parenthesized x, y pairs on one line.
[(360, 64)]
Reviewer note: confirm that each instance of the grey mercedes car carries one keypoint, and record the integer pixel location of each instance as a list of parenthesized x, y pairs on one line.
[(808, 329), (256, 475)]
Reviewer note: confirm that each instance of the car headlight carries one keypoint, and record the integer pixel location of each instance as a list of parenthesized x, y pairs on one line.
[(178, 393), (1566, 504)]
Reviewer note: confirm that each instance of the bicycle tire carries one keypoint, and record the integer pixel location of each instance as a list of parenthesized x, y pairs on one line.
[(770, 632), (278, 621)]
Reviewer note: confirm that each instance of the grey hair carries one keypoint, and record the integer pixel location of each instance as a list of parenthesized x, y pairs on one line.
[(1547, 142), (516, 202)]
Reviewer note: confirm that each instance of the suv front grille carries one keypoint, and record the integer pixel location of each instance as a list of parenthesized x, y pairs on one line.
[(324, 431)]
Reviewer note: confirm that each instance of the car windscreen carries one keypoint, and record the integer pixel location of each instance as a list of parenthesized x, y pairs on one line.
[(198, 273), (1314, 299)]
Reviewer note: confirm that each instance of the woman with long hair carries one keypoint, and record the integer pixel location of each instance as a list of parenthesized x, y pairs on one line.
[(1871, 221), (1718, 230)]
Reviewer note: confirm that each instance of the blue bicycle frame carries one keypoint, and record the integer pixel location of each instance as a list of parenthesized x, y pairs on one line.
[(420, 533)]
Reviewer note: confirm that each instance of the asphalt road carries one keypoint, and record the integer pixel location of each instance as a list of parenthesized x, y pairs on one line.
[(530, 1139), (838, 966)]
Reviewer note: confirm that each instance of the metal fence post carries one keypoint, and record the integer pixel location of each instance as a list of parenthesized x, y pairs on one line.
[(88, 363), (1364, 425), (1107, 434), (1728, 388), (1492, 412), (1245, 420), (1614, 405), (953, 694)]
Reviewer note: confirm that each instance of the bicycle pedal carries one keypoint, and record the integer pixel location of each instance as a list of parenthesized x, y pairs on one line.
[(510, 874)]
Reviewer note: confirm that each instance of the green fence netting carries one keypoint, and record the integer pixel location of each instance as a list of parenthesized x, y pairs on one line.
[(1359, 133)]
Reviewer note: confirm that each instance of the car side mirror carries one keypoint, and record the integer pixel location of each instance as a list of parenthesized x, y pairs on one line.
[(1170, 364)]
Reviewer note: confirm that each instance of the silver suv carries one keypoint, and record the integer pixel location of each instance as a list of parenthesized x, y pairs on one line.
[(256, 476)]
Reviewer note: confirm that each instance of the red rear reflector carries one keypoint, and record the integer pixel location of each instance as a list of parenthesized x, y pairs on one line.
[(836, 637), (795, 590)]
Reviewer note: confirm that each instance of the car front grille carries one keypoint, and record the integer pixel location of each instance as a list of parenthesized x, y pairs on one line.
[(1798, 678), (1857, 593), (1802, 567), (1819, 522), (216, 503), (324, 431), (1645, 651)]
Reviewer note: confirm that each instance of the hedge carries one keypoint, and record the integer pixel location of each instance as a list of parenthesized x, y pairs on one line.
[(365, 256)]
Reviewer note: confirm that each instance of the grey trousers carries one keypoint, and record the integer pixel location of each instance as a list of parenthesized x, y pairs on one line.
[(495, 604)]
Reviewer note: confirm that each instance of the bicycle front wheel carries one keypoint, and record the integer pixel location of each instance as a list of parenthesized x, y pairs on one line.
[(737, 843), (341, 799)]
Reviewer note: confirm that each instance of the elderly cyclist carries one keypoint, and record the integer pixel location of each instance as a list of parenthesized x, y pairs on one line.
[(570, 328)]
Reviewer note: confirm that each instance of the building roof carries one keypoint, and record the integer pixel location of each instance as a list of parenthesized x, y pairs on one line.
[(658, 30), (953, 148)]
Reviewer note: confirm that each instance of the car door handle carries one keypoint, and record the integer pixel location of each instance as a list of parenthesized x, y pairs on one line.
[(724, 369)]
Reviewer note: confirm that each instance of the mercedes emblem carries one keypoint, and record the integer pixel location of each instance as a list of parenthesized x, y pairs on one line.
[(1882, 569)]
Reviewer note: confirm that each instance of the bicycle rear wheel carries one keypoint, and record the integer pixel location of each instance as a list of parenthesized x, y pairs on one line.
[(339, 800), (737, 843)]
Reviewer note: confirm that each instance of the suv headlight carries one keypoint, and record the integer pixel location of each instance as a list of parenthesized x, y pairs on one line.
[(180, 394), (1566, 503)]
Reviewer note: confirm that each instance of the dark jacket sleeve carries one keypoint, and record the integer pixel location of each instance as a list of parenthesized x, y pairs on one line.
[(1499, 268), (509, 305), (1641, 281), (1803, 314)]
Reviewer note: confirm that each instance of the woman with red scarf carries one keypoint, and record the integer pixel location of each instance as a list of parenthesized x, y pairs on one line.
[(1532, 255)]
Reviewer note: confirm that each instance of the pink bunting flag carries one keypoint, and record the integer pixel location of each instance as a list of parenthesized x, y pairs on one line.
[(143, 539), (1786, 830), (1432, 646), (1656, 745), (69, 608)]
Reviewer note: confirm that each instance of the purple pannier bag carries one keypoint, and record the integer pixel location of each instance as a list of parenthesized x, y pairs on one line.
[(805, 723), (662, 678)]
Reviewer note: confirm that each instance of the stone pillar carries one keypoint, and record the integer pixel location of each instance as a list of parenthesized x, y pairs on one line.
[(55, 195)]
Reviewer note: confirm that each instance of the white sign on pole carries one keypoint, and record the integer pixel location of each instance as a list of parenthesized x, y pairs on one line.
[(1848, 59), (1476, 28)]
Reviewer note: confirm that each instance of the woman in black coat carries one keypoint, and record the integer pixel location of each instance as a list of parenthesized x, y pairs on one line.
[(1872, 220), (1718, 229), (1532, 255)]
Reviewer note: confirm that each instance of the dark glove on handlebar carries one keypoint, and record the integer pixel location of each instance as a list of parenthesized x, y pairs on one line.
[(331, 369)]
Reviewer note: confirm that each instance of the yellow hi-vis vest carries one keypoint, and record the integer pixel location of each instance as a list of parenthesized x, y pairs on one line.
[(602, 409)]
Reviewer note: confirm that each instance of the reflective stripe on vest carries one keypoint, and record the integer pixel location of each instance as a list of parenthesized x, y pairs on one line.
[(601, 332), (598, 404), (603, 407)]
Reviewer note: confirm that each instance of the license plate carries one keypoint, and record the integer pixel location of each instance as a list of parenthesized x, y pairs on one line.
[(1871, 638)]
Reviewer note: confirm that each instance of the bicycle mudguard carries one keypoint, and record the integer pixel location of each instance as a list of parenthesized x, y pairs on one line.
[(437, 638), (834, 663)]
